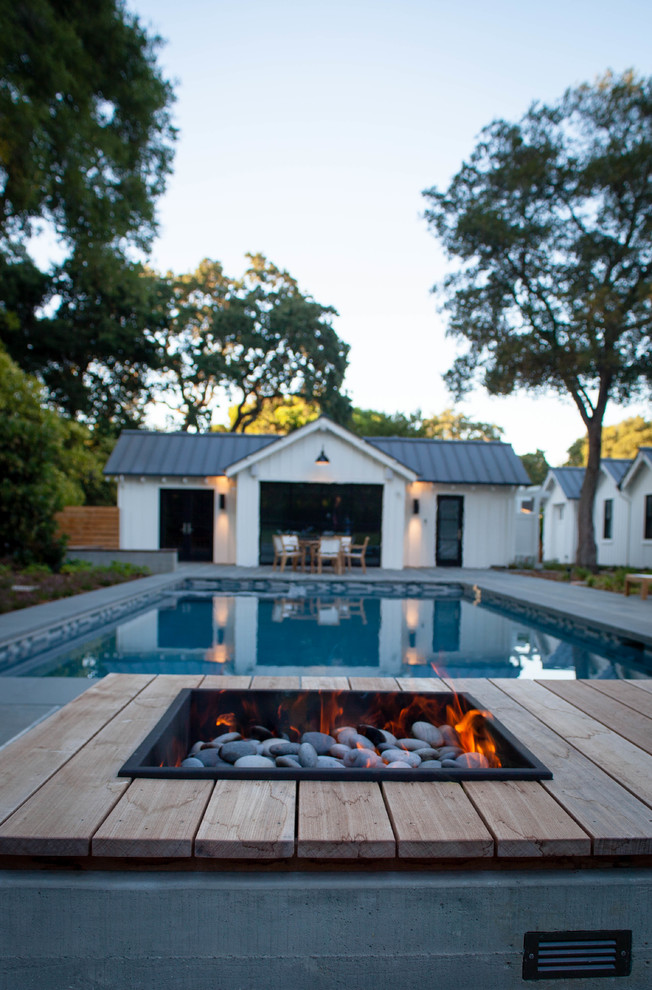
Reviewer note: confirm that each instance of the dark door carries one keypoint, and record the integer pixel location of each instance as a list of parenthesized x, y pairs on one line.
[(450, 511), (187, 522)]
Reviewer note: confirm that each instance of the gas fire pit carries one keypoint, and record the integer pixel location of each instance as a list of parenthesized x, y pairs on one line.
[(331, 735)]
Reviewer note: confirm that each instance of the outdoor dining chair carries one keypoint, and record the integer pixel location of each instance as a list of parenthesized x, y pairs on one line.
[(330, 551), (356, 551), (286, 547)]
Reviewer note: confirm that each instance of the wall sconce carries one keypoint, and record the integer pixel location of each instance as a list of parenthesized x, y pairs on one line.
[(415, 506), (222, 500), (321, 458)]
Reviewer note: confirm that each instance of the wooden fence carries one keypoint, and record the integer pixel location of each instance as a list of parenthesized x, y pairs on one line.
[(90, 525)]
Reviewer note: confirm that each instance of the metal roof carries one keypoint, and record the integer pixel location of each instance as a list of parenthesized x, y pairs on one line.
[(570, 480), (178, 455), (463, 462), (617, 467), (476, 462)]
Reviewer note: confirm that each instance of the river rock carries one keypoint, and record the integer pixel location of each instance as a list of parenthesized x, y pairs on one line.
[(398, 765), (225, 738), (361, 742), (450, 752), (362, 758), (429, 733), (345, 733), (451, 737), (260, 733), (192, 761), (402, 755), (283, 748), (232, 751), (452, 764), (429, 765), (288, 761), (329, 761), (307, 755), (338, 751), (377, 736), (427, 754), (210, 758), (321, 742), (474, 761), (410, 744)]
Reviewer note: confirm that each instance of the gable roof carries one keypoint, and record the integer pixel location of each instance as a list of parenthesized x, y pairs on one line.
[(462, 462), (146, 453), (644, 456), (569, 479), (617, 467)]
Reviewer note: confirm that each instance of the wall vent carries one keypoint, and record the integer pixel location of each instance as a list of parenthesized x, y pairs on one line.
[(570, 955)]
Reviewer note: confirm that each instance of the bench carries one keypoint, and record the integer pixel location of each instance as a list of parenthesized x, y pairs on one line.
[(643, 579)]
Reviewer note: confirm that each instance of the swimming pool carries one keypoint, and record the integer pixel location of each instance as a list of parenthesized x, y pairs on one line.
[(351, 630)]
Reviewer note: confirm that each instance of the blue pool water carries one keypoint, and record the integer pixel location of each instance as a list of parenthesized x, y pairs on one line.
[(435, 631)]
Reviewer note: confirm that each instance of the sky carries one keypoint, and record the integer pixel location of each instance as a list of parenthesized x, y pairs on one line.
[(308, 131)]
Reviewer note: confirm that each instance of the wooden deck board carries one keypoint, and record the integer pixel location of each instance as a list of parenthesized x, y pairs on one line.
[(154, 818), (61, 817), (627, 723), (626, 693), (249, 819), (438, 822), (617, 822), (74, 804), (623, 761), (343, 820), (33, 758), (325, 683)]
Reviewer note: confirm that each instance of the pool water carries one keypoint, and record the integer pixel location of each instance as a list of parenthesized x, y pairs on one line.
[(372, 635)]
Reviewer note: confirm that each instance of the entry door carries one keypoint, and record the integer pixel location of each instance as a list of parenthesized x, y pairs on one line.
[(187, 522), (450, 512)]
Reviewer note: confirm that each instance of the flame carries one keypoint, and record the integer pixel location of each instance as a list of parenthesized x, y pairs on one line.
[(474, 735), (226, 723)]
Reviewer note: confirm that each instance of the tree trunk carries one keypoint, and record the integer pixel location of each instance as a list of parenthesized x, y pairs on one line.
[(587, 553)]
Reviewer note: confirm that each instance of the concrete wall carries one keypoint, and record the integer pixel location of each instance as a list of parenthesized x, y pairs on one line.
[(248, 931), (157, 561)]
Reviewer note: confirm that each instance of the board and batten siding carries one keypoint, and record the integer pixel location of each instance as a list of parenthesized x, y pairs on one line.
[(640, 549), (296, 464), (559, 534), (613, 551)]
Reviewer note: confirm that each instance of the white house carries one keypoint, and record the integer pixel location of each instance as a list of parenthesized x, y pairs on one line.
[(636, 486), (220, 496), (560, 497)]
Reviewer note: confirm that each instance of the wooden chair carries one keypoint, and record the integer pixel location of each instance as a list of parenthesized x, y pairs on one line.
[(356, 551), (330, 551), (286, 547)]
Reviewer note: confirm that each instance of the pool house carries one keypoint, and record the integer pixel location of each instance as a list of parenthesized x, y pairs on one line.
[(220, 497)]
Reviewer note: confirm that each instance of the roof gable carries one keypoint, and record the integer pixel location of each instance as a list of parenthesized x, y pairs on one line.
[(643, 459), (462, 462)]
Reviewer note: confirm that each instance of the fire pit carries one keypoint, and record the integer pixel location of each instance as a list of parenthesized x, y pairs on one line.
[(330, 735)]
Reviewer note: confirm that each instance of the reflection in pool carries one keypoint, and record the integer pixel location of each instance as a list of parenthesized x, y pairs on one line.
[(209, 633)]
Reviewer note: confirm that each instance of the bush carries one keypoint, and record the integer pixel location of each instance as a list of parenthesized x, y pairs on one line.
[(76, 566)]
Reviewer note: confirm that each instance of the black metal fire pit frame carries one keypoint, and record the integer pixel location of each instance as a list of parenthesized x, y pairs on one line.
[(195, 710)]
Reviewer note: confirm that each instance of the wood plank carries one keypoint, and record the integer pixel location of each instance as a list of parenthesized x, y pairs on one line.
[(626, 692), (623, 720), (325, 683), (645, 685), (154, 818), (29, 761), (249, 819), (435, 821), (226, 682), (626, 763), (373, 684), (343, 820), (525, 820), (617, 822), (265, 683), (421, 684), (60, 818)]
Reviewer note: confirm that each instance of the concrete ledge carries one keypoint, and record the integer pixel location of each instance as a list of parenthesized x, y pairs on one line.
[(237, 931), (158, 561)]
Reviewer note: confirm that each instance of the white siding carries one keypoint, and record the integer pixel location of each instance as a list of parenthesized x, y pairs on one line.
[(612, 551), (559, 525), (640, 549)]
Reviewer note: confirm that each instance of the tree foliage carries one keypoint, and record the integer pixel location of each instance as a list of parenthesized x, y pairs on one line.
[(85, 147), (448, 425), (536, 466), (551, 222), (31, 487), (619, 441), (258, 339)]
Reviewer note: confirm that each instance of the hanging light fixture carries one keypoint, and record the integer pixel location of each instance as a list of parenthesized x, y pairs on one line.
[(322, 459)]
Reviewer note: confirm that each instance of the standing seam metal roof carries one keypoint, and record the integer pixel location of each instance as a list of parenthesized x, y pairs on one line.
[(205, 454)]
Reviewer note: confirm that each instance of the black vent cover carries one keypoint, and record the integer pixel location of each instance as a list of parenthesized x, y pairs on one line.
[(570, 955)]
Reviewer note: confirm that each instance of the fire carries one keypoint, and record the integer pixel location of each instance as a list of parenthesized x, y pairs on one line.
[(473, 733)]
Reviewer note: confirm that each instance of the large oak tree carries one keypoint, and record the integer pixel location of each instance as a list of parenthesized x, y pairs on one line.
[(550, 221)]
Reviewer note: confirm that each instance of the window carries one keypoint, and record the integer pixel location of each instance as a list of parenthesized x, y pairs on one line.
[(607, 519), (648, 517), (559, 511)]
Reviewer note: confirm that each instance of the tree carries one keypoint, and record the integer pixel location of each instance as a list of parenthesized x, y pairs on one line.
[(31, 487), (257, 339), (450, 425), (551, 219), (371, 423), (536, 466), (622, 440), (279, 416), (85, 148)]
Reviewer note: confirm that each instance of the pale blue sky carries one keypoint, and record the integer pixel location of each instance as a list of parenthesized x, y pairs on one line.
[(308, 131)]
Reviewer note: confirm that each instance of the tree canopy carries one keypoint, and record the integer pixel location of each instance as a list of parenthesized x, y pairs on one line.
[(447, 425), (257, 338), (550, 221), (85, 148), (536, 465), (622, 440)]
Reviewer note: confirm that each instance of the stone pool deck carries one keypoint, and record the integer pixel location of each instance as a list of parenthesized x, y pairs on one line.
[(25, 701)]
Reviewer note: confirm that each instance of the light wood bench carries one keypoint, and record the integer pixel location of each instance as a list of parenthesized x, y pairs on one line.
[(643, 579)]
